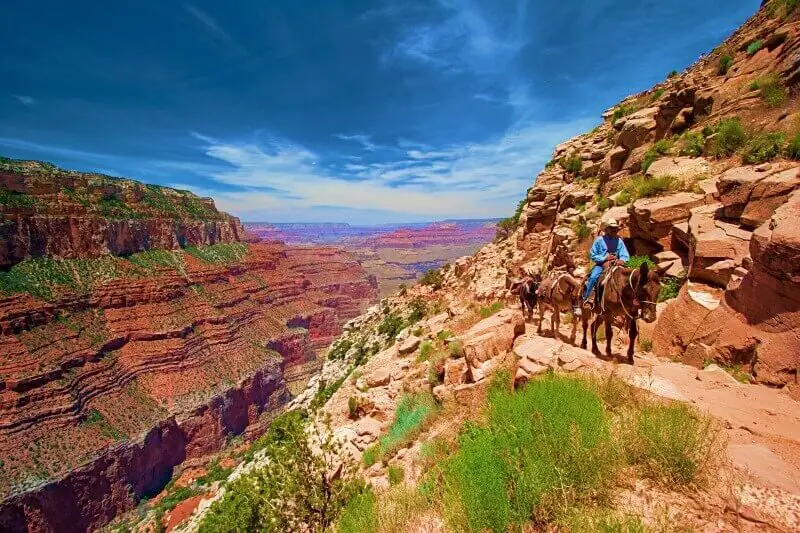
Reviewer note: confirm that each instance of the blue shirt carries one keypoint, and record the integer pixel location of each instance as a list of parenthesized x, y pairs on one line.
[(603, 244)]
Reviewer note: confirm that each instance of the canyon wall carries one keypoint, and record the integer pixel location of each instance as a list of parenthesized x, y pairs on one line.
[(46, 211)]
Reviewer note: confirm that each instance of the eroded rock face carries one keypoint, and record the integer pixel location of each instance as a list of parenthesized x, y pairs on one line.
[(652, 219), (183, 358), (752, 194), (62, 214), (717, 248)]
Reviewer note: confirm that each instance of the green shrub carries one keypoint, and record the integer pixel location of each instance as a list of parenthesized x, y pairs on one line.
[(433, 278), (489, 310), (391, 325), (572, 164), (394, 510), (730, 137), (581, 229), (623, 197), (645, 187), (782, 8), (623, 111), (410, 417), (425, 350), (402, 289), (645, 345), (673, 443), (656, 95), (672, 74), (692, 144), (218, 253), (725, 63), (763, 147), (303, 486), (339, 349), (771, 90), (215, 473), (638, 260), (593, 520), (396, 475), (670, 287), (419, 309), (793, 148), (659, 149), (370, 456), (16, 199), (603, 204), (754, 47), (545, 448), (324, 392), (445, 334)]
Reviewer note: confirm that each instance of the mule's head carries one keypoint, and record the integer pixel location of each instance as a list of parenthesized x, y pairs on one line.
[(648, 284)]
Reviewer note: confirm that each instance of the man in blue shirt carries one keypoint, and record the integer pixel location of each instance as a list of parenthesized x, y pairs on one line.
[(606, 248)]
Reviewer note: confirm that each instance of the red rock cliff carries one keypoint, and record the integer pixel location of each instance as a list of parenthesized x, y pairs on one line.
[(46, 211)]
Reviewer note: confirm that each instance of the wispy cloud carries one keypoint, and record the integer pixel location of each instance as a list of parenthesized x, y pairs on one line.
[(465, 38), (284, 180), (213, 28), (363, 140), (24, 99)]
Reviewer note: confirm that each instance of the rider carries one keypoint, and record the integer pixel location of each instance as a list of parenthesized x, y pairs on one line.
[(607, 248)]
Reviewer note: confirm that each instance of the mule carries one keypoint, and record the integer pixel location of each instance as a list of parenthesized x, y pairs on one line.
[(627, 293), (527, 294), (559, 292)]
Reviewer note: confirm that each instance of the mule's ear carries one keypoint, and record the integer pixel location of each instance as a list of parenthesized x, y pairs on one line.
[(643, 271)]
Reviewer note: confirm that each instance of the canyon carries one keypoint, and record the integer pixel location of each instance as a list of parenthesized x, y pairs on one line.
[(396, 254), (115, 369)]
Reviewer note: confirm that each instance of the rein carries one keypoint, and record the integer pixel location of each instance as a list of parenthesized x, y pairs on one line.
[(621, 304)]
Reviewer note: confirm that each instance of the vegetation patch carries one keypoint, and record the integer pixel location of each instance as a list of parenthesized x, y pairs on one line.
[(763, 147), (725, 64), (793, 148), (771, 90), (489, 310), (433, 278), (670, 287), (646, 186), (623, 111), (659, 149), (16, 199), (638, 260), (730, 135), (572, 164), (581, 229), (754, 47), (413, 412), (782, 8), (218, 253), (692, 144)]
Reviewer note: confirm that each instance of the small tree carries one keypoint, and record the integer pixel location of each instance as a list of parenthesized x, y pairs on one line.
[(433, 278), (304, 486)]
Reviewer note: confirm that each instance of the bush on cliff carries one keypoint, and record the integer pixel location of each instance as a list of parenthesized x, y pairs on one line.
[(433, 278), (793, 148), (730, 136), (659, 149), (572, 164), (725, 63), (763, 147), (771, 90), (303, 486)]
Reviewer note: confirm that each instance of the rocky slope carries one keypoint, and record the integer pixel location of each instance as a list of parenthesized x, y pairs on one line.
[(702, 172), (116, 369), (47, 211)]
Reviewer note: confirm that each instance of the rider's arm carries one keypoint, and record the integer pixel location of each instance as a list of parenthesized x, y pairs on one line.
[(598, 252)]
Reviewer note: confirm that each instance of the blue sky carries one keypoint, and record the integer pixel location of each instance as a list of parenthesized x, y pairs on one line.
[(348, 110)]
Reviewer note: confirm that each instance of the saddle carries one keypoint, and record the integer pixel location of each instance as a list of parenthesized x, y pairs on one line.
[(549, 284)]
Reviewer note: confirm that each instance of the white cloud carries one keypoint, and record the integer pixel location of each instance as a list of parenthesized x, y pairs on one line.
[(363, 140), (24, 99), (283, 180)]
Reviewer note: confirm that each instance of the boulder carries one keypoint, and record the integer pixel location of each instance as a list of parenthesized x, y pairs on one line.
[(683, 168), (379, 378), (717, 248), (639, 128), (670, 263), (653, 218), (614, 161), (484, 370), (633, 162), (368, 426), (752, 193), (409, 345), (443, 393), (540, 350), (437, 323), (455, 372), (684, 119)]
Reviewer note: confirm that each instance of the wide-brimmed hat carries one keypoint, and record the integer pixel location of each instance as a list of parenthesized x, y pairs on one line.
[(612, 223)]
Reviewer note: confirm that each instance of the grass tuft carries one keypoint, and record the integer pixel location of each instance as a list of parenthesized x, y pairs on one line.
[(730, 136), (763, 147), (771, 89)]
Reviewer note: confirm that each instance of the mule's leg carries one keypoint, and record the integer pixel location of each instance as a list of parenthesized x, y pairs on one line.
[(632, 333), (598, 319), (609, 333), (574, 330), (541, 319), (555, 324), (585, 325)]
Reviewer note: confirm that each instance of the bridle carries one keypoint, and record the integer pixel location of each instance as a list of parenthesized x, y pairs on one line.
[(621, 301)]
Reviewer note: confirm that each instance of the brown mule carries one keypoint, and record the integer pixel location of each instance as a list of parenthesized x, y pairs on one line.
[(558, 292), (628, 293)]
